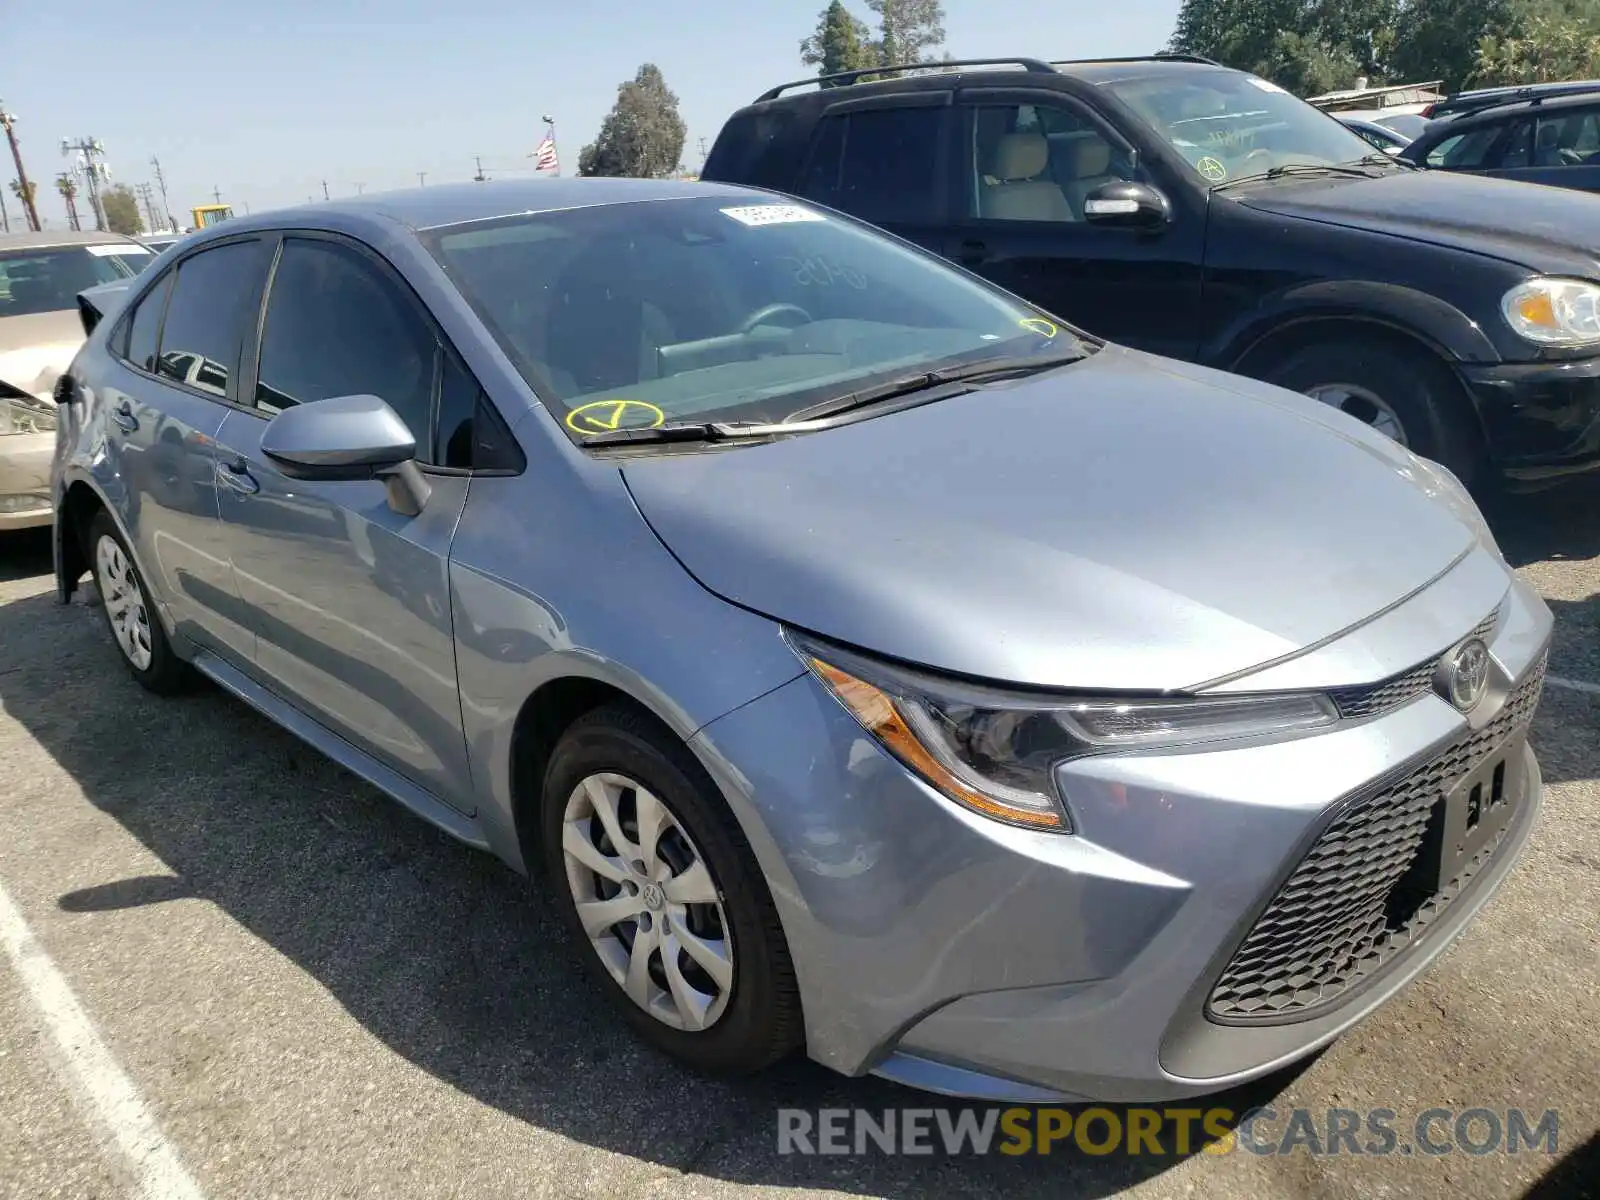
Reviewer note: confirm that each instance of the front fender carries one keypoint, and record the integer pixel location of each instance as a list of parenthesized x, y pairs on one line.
[(1450, 332)]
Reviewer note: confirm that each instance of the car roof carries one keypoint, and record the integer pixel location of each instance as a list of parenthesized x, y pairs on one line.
[(1494, 113), (58, 238), (456, 203)]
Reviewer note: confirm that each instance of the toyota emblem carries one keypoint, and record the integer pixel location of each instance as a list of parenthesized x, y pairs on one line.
[(1467, 678)]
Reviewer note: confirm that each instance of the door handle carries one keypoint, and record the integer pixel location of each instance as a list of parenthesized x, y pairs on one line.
[(236, 477), (123, 416), (973, 251)]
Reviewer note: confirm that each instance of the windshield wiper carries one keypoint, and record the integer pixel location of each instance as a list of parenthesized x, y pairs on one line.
[(1292, 169), (992, 368), (1381, 159)]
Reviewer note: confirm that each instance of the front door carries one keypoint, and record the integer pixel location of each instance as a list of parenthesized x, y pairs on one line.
[(1026, 163), (349, 599), (1560, 148)]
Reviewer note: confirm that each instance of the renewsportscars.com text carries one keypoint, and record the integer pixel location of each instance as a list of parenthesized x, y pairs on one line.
[(1162, 1132)]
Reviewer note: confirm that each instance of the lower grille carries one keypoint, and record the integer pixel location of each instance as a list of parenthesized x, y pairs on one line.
[(1343, 914)]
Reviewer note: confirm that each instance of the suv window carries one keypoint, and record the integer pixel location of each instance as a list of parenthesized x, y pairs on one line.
[(1036, 162), (880, 163), (213, 300), (144, 330), (338, 326), (1563, 139), (1465, 151), (744, 150)]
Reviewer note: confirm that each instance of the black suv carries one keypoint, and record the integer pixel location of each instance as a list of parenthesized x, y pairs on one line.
[(1180, 207), (1553, 140)]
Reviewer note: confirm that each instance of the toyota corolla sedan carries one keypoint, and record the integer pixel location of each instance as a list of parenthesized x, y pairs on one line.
[(874, 663)]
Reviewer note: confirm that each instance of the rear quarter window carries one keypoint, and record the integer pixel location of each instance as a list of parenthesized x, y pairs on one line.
[(746, 151)]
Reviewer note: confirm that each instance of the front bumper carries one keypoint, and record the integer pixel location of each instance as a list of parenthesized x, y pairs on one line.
[(944, 950), (25, 480), (1542, 420)]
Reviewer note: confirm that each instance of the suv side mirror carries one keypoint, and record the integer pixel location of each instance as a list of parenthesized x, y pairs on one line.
[(1127, 204), (348, 437)]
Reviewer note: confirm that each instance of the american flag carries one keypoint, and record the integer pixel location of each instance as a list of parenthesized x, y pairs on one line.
[(545, 155)]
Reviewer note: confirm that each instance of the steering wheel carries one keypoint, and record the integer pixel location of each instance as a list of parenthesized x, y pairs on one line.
[(1570, 157), (763, 316)]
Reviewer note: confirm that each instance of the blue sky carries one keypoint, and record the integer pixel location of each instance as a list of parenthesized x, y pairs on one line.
[(265, 101)]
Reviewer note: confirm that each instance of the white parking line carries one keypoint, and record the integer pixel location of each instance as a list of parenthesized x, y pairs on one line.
[(1573, 685), (109, 1093)]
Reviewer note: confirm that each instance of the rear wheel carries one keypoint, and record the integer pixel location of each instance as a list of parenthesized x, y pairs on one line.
[(661, 891), (131, 615), (1404, 393)]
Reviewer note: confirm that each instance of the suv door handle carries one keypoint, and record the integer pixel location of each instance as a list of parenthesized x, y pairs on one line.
[(236, 477), (973, 251), (123, 416)]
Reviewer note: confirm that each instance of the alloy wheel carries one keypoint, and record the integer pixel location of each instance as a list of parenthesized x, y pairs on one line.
[(647, 901), (1364, 405), (124, 601)]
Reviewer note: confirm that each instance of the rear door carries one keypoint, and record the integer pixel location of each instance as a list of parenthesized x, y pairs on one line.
[(885, 159), (349, 598), (179, 349)]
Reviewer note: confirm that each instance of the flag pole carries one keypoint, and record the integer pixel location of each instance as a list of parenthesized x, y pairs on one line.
[(550, 132)]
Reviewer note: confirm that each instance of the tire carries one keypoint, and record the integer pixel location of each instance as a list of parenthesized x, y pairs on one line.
[(1418, 391), (130, 615), (755, 1020)]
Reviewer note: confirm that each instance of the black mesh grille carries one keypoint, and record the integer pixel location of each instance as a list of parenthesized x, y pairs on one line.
[(1342, 914), (1373, 698)]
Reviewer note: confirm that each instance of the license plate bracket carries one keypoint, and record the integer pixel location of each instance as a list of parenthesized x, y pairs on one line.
[(1473, 814)]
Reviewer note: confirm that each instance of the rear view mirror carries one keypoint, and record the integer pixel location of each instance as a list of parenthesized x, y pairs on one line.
[(348, 437), (1128, 204)]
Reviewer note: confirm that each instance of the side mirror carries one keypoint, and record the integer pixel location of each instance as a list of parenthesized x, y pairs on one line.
[(348, 437), (1127, 204)]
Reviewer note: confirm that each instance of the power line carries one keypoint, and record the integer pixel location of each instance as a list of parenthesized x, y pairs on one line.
[(161, 182), (144, 191), (324, 189), (89, 150)]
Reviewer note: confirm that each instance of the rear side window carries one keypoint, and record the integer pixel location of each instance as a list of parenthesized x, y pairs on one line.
[(880, 164), (144, 331), (743, 152), (214, 300)]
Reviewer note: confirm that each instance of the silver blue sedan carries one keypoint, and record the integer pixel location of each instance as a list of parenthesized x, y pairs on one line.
[(873, 663)]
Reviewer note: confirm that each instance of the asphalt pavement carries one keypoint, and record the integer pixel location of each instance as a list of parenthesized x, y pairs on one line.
[(231, 970)]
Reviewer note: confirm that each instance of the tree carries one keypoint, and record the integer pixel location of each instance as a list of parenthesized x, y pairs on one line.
[(121, 208), (1440, 39), (31, 199), (642, 136), (1545, 48), (68, 187), (841, 43), (907, 29)]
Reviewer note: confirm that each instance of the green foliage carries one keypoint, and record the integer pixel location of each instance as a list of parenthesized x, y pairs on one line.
[(841, 43), (908, 31), (1553, 43), (121, 209), (643, 134)]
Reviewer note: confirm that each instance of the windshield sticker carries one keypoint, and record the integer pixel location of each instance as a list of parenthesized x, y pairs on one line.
[(605, 416), (116, 250), (771, 214), (1212, 169), (1044, 328), (820, 272)]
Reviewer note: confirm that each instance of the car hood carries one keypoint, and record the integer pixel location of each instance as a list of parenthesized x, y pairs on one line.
[(36, 348), (1548, 229), (1125, 522)]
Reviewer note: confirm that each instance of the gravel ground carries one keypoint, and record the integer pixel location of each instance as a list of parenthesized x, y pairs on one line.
[(316, 995)]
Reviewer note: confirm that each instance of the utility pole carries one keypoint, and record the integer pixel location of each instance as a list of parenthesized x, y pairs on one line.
[(360, 187), (217, 193), (29, 209), (480, 177), (161, 182), (702, 154), (88, 151), (422, 179), (144, 191), (67, 185), (5, 217), (324, 189)]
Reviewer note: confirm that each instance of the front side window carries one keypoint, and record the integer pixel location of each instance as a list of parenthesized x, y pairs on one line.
[(1226, 124), (721, 307), (214, 300), (49, 279), (1467, 151), (336, 326), (1037, 162), (880, 164)]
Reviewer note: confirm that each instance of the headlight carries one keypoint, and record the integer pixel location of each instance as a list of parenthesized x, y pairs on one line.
[(995, 752), (1554, 312), (22, 413)]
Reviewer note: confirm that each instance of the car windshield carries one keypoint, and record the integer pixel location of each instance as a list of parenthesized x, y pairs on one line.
[(1407, 125), (722, 308), (1227, 125), (49, 279)]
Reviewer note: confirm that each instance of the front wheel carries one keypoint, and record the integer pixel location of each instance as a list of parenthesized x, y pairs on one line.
[(659, 887), (1405, 394), (135, 626)]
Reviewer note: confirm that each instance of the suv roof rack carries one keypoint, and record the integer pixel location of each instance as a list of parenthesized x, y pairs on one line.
[(1031, 65), (1536, 100), (1161, 56), (1469, 103)]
